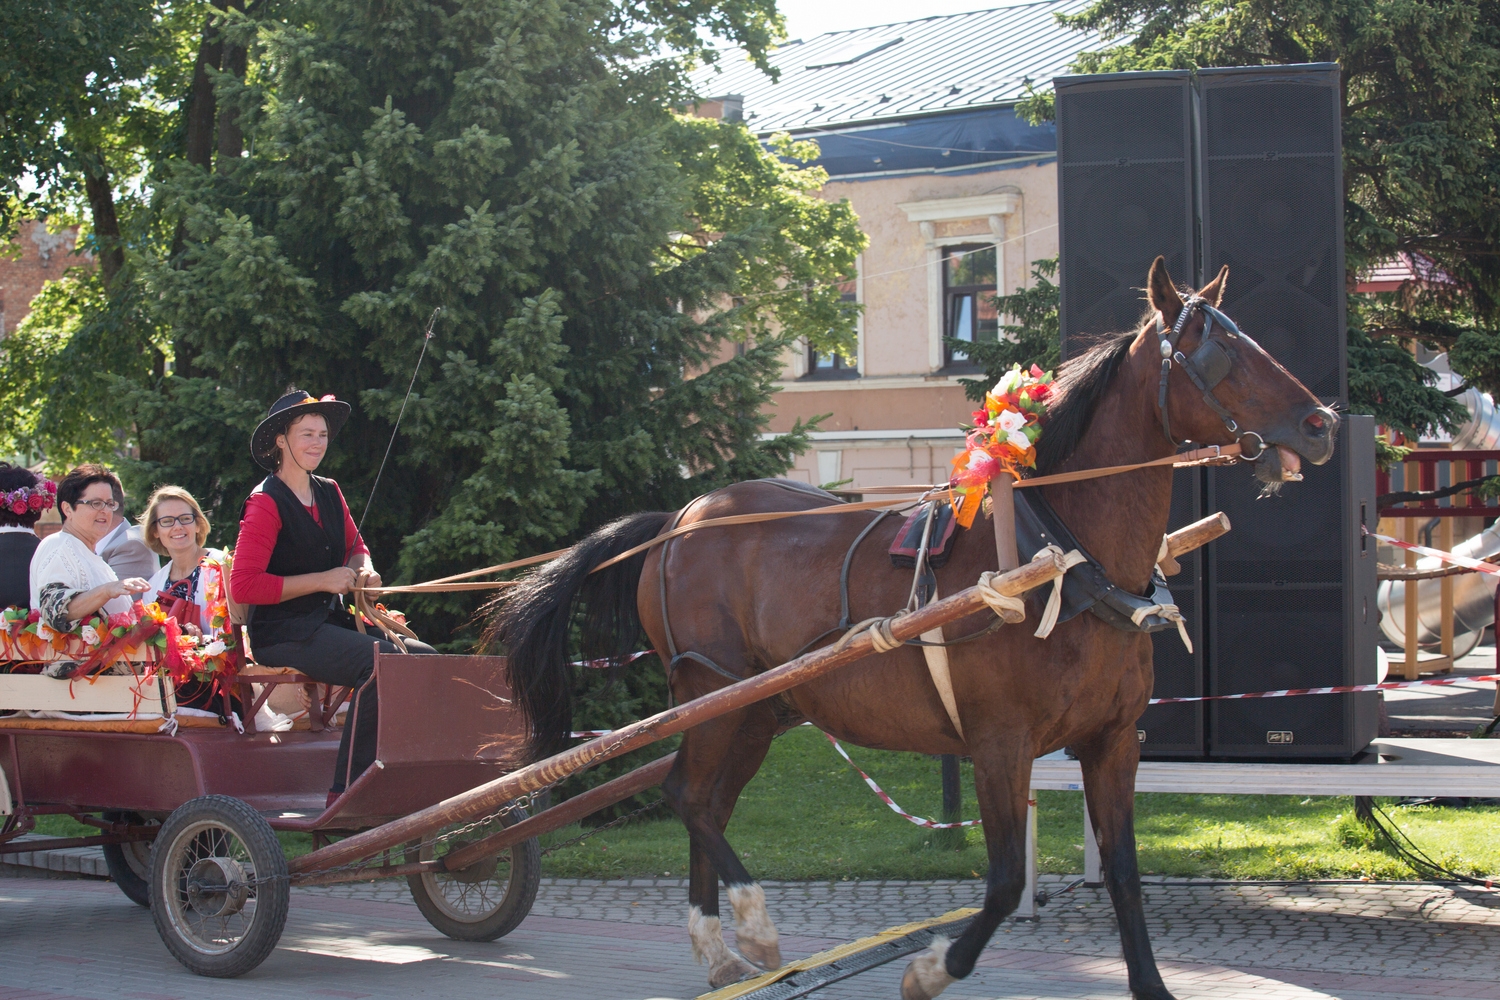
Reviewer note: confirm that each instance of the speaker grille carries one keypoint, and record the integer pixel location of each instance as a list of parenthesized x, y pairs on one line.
[(1175, 731), (1273, 211), (1125, 166), (1268, 640), (1295, 537)]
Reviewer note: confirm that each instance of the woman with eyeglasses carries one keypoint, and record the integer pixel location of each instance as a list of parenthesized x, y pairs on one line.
[(192, 582), (69, 582), (192, 586)]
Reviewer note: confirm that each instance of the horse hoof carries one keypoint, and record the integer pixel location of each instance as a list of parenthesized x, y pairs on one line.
[(927, 974), (760, 954), (731, 970), (755, 934)]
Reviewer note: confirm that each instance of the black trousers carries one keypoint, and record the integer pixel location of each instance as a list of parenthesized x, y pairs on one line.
[(345, 658)]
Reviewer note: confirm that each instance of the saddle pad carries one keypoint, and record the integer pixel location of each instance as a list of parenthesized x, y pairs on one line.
[(909, 538)]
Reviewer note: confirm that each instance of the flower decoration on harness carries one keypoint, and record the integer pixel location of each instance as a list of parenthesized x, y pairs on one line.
[(1006, 430), (30, 499)]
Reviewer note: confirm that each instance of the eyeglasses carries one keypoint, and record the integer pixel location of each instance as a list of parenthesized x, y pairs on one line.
[(99, 504), (166, 522)]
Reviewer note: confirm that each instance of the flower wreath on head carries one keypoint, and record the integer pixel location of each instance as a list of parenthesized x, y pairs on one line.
[(30, 499), (1004, 437)]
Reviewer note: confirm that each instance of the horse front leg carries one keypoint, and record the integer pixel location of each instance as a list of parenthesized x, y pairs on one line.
[(1109, 765), (1002, 783)]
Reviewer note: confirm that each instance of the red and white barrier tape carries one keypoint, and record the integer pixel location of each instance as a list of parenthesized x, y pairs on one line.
[(1465, 561), (603, 663), (930, 824)]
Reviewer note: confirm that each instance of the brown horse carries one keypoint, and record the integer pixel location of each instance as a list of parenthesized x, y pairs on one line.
[(744, 599)]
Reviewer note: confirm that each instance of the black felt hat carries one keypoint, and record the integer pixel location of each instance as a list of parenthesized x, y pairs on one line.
[(294, 404)]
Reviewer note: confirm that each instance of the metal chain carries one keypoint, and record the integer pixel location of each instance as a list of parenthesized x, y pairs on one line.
[(618, 821), (523, 802)]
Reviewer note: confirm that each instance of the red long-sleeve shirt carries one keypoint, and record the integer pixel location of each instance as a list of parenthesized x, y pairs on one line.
[(248, 579)]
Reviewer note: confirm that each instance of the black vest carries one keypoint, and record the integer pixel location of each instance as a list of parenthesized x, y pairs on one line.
[(16, 549), (303, 546)]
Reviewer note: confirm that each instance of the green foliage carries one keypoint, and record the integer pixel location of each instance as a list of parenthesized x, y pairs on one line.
[(1031, 337), (57, 368), (1386, 381), (1421, 166), (597, 256)]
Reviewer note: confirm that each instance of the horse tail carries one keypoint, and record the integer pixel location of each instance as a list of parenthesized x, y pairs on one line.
[(532, 621)]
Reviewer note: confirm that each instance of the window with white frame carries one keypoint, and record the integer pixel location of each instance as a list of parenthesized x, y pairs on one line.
[(969, 288)]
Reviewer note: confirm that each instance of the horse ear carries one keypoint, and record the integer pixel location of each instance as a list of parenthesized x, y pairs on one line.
[(1161, 293), (1213, 292)]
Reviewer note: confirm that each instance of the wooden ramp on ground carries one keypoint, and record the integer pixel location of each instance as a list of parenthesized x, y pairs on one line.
[(798, 979)]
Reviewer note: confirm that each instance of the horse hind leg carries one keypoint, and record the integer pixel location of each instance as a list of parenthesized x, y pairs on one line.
[(755, 933), (702, 789), (704, 929), (707, 933)]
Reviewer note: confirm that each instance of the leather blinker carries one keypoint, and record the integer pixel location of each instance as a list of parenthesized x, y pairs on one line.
[(1212, 362)]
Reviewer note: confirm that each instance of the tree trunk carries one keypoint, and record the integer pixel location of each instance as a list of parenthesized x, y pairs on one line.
[(200, 110), (231, 139), (106, 224)]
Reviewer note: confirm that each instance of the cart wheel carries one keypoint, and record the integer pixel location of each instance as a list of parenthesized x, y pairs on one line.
[(219, 888), (486, 900), (129, 864)]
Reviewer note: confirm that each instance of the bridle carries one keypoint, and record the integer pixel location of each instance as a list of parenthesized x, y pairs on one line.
[(1206, 367)]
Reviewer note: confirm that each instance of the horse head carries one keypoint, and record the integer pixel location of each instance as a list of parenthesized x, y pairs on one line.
[(1218, 386)]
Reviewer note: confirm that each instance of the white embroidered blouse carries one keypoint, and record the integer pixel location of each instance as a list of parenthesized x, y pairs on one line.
[(62, 568)]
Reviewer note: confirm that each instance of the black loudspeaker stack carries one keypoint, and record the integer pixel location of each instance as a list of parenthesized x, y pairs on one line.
[(1241, 167)]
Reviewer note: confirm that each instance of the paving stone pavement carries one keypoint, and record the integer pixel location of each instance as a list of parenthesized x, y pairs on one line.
[(62, 939)]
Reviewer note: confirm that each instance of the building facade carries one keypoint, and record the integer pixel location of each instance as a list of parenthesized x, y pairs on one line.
[(35, 257), (917, 127)]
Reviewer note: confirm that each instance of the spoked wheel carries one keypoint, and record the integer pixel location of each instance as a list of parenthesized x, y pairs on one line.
[(129, 864), (490, 897), (219, 889)]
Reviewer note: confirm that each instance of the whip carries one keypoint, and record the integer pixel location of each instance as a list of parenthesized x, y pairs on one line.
[(426, 337)]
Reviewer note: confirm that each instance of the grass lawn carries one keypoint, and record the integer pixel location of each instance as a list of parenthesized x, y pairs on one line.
[(807, 815)]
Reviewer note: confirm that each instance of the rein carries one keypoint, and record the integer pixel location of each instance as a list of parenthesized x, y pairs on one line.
[(1210, 455)]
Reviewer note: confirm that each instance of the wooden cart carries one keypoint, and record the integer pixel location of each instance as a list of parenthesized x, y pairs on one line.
[(444, 806)]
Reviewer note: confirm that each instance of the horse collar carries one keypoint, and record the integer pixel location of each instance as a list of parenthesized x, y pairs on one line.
[(1206, 367)]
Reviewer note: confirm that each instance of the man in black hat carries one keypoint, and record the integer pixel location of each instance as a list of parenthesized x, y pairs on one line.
[(298, 550)]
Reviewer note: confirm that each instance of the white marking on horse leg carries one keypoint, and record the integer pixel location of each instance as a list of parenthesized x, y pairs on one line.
[(724, 966), (927, 974), (754, 932)]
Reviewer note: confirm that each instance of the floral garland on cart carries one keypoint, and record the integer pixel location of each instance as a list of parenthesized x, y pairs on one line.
[(143, 635)]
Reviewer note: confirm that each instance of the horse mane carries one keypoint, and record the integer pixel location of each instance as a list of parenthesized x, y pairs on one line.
[(1081, 383)]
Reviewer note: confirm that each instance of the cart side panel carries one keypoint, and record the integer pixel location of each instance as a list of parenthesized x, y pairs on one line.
[(446, 725), (271, 771), (104, 771)]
